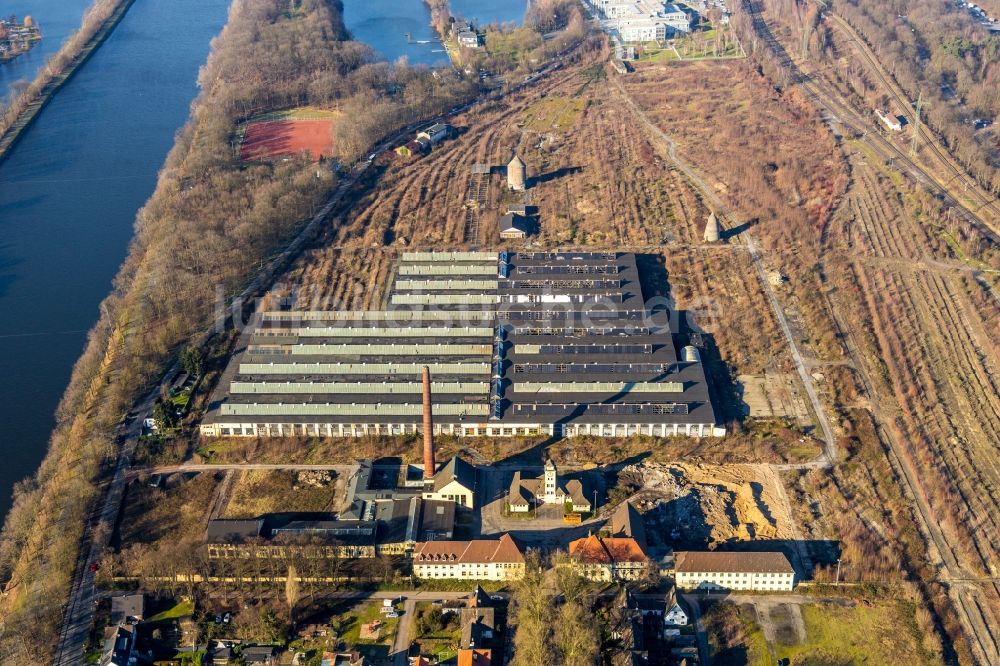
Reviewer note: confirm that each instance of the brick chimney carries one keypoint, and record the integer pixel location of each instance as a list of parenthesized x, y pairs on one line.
[(428, 428)]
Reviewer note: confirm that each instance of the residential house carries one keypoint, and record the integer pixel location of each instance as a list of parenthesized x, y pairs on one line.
[(480, 622), (471, 560), (525, 493), (260, 655), (354, 658), (626, 627), (128, 608), (655, 606), (118, 646), (762, 572), (608, 559), (455, 481), (219, 654), (619, 553), (469, 39)]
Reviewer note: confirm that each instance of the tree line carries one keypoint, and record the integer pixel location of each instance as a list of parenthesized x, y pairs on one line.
[(211, 221), (24, 94)]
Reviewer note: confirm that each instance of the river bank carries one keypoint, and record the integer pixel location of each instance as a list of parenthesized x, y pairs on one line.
[(211, 220), (100, 20)]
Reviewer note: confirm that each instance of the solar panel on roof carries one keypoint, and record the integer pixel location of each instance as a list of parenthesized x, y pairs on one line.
[(612, 409)]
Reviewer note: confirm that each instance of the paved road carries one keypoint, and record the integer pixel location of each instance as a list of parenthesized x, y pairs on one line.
[(79, 613), (694, 603), (83, 598), (401, 642)]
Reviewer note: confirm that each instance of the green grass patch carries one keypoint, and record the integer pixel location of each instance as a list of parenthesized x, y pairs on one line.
[(880, 633), (180, 609), (734, 634), (350, 623), (553, 113)]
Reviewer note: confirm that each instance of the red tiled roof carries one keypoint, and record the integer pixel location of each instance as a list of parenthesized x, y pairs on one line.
[(475, 657), (479, 550), (595, 550)]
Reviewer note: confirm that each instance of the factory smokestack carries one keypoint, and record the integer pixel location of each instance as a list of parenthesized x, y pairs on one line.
[(428, 427)]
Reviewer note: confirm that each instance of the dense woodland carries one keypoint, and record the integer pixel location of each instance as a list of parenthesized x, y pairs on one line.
[(210, 222), (935, 50)]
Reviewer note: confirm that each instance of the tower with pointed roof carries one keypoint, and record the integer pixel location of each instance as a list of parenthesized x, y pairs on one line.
[(516, 173), (712, 229)]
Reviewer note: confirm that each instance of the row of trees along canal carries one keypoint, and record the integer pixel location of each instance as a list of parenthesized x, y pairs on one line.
[(17, 112), (210, 221)]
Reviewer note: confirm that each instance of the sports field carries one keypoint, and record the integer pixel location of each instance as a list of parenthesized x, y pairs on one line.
[(288, 133)]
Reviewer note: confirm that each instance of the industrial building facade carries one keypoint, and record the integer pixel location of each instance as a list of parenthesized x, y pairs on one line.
[(530, 343)]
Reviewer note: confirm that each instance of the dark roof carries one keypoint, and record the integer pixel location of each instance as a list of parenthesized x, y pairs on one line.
[(259, 654), (521, 209), (480, 599), (513, 222), (228, 531), (610, 343), (437, 517), (125, 606), (479, 628), (738, 562), (119, 646), (628, 522), (455, 469)]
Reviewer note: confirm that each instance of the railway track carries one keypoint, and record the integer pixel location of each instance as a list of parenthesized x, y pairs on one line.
[(983, 201), (973, 617), (840, 114)]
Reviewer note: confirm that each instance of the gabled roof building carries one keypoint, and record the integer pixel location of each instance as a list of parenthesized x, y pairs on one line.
[(479, 559), (711, 570), (525, 493), (609, 559)]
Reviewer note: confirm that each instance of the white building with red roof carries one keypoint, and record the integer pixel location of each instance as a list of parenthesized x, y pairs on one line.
[(479, 559)]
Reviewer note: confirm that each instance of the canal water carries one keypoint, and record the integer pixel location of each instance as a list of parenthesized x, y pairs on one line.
[(57, 20), (71, 187), (402, 28), (483, 12), (69, 192)]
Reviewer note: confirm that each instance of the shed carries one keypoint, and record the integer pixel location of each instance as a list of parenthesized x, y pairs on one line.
[(410, 148), (513, 226)]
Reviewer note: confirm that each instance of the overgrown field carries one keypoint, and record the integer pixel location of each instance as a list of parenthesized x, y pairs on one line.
[(879, 276)]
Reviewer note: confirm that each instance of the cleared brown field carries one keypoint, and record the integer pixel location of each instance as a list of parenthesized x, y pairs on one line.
[(885, 257), (597, 181)]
